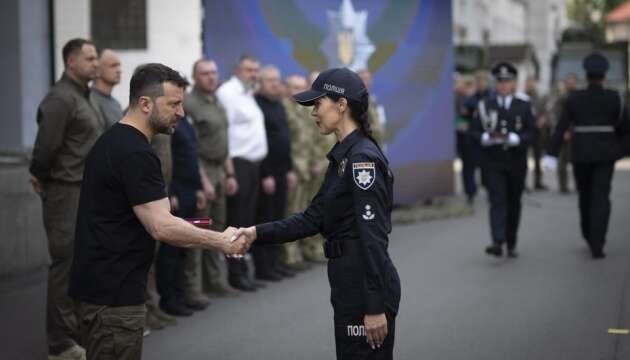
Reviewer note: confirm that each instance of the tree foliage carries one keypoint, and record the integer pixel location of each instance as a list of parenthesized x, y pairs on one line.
[(590, 15)]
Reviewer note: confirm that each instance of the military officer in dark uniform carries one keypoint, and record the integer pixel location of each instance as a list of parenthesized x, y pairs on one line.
[(352, 210), (599, 119), (504, 126)]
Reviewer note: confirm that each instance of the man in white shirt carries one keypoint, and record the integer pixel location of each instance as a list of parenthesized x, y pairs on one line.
[(247, 147)]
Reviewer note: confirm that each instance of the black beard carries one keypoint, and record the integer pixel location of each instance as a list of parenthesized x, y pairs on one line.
[(157, 127)]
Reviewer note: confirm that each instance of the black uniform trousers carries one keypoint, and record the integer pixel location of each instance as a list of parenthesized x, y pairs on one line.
[(270, 208), (470, 164), (469, 153), (505, 187), (169, 265), (241, 207), (538, 145), (593, 182)]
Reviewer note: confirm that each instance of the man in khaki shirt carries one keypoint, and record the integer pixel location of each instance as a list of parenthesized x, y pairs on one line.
[(206, 270), (68, 127)]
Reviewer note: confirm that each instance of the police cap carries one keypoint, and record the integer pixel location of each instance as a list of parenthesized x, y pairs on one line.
[(595, 63), (341, 82), (504, 71)]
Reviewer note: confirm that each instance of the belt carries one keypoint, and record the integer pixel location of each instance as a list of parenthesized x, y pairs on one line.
[(337, 248), (594, 129)]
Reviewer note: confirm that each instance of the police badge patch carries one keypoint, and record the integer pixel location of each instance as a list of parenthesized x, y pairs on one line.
[(364, 174)]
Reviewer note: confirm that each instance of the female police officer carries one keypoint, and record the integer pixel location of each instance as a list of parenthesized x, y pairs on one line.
[(352, 210)]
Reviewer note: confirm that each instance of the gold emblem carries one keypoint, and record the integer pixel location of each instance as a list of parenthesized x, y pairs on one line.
[(341, 169), (345, 43)]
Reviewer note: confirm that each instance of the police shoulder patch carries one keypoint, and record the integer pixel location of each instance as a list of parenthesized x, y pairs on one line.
[(364, 174)]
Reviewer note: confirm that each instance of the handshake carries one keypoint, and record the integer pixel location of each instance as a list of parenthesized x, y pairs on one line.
[(235, 242)]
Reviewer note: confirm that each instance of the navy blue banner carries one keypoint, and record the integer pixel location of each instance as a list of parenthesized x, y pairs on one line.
[(407, 45)]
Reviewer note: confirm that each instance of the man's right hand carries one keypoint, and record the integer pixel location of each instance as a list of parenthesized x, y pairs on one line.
[(269, 185), (209, 191), (231, 186), (233, 244), (37, 185), (315, 171)]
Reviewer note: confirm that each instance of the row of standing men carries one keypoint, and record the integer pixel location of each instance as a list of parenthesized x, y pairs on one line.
[(244, 154)]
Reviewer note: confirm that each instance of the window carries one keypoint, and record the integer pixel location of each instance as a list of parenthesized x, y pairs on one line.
[(119, 24)]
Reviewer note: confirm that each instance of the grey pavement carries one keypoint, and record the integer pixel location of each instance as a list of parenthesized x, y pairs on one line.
[(554, 302)]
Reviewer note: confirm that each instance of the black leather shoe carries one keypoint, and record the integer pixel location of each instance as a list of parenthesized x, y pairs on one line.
[(541, 187), (196, 305), (175, 309), (268, 276), (285, 271), (494, 249), (512, 253), (258, 284), (598, 254), (242, 284)]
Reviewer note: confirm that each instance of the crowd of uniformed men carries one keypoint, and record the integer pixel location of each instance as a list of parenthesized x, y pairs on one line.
[(245, 153), (496, 128)]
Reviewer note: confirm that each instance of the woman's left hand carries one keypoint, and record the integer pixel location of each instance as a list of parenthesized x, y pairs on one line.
[(375, 329)]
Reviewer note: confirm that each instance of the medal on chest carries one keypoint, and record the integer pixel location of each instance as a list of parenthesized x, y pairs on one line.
[(341, 168), (519, 123)]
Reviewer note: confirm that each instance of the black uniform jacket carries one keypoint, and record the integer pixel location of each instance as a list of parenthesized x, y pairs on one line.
[(518, 118), (353, 207), (598, 119)]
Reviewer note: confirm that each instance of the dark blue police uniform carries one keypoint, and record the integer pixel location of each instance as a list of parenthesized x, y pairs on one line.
[(352, 210), (599, 121), (504, 164)]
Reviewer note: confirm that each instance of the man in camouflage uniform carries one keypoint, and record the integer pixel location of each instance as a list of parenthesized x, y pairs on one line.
[(313, 247), (302, 144), (374, 118)]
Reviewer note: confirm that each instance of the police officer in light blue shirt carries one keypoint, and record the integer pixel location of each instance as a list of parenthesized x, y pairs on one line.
[(353, 211)]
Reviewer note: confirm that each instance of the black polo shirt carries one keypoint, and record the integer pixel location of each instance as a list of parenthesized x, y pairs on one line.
[(112, 250)]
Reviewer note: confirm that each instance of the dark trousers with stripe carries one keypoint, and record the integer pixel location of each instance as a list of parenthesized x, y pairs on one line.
[(593, 182), (505, 188)]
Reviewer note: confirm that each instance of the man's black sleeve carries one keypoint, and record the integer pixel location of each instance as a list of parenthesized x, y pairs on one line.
[(142, 178)]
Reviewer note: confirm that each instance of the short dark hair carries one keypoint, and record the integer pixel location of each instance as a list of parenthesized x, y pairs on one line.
[(245, 57), (147, 80), (72, 47), (202, 60)]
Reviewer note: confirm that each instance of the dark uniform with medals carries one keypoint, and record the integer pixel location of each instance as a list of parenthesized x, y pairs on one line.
[(352, 210), (599, 120), (504, 125)]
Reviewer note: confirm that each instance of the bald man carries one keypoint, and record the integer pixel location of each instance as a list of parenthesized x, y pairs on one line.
[(108, 76)]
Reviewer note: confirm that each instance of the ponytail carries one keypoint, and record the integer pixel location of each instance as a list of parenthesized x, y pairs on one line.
[(359, 112)]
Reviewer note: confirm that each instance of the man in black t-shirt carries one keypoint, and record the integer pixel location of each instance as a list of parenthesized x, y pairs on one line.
[(123, 208)]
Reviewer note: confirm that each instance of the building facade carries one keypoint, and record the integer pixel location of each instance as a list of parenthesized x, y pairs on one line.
[(534, 23)]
